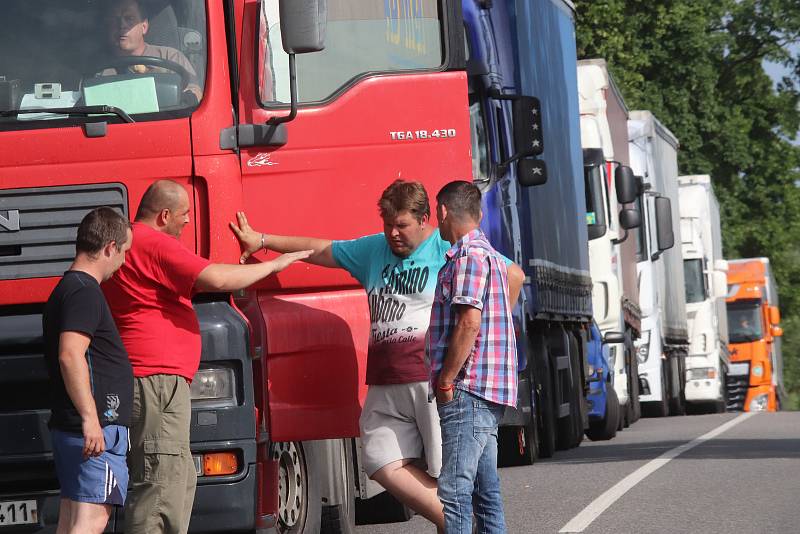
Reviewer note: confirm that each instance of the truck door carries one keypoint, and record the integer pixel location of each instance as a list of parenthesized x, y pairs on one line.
[(372, 109)]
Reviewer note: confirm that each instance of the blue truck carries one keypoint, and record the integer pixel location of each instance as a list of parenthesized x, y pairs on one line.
[(527, 159)]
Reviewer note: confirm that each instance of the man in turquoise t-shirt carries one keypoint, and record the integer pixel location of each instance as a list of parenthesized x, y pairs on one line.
[(400, 431)]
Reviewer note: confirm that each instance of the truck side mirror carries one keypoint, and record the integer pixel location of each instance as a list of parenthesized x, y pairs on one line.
[(303, 25), (625, 184), (776, 331), (774, 315), (613, 337), (720, 281), (721, 265), (630, 219), (596, 230), (531, 172), (527, 115), (665, 237)]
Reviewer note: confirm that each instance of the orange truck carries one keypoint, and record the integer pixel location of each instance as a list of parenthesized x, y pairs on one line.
[(755, 376)]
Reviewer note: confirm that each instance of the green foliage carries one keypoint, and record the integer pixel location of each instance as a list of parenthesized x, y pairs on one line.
[(698, 65)]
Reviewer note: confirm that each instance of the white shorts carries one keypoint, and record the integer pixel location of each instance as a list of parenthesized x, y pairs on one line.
[(399, 423)]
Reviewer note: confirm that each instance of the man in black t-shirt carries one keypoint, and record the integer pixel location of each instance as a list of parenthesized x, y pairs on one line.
[(91, 377)]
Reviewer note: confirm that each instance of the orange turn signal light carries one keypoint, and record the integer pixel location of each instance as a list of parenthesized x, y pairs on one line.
[(220, 463)]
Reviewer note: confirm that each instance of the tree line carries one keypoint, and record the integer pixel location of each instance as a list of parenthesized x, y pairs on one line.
[(698, 65)]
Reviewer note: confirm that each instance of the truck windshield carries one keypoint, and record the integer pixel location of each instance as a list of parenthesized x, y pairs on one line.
[(593, 177), (744, 322), (362, 37), (146, 58), (695, 281), (640, 232)]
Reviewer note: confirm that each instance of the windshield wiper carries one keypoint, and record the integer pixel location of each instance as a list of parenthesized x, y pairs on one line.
[(78, 110)]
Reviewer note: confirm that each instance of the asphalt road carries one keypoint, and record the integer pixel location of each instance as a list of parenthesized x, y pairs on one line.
[(727, 473)]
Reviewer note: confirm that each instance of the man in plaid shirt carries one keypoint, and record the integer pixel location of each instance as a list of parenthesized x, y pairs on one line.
[(473, 362)]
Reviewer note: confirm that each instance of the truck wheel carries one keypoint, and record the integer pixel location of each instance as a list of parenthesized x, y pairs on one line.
[(659, 408), (299, 499), (382, 508), (516, 445), (545, 406), (341, 518), (570, 428), (606, 428), (633, 387)]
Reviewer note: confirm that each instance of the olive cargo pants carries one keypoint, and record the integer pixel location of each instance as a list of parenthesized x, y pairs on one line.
[(162, 473)]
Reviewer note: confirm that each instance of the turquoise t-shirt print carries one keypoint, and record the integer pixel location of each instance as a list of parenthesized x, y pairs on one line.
[(400, 295)]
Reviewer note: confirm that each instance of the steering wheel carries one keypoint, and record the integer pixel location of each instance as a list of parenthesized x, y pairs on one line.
[(124, 62)]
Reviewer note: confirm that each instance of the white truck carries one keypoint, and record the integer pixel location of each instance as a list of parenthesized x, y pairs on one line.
[(612, 255), (704, 272), (664, 343)]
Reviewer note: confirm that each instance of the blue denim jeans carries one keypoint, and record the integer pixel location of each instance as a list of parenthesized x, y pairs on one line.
[(469, 483)]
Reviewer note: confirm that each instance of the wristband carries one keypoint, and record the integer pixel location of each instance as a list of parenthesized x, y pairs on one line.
[(451, 387)]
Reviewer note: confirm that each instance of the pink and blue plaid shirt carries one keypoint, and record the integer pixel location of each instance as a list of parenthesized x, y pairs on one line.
[(474, 274)]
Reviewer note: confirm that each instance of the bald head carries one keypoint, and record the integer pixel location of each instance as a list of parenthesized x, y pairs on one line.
[(165, 206)]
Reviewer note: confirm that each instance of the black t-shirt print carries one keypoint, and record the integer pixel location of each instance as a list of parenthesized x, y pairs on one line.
[(77, 305)]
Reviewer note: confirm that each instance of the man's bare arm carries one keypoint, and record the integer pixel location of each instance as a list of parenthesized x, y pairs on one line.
[(75, 372), (250, 241), (226, 277), (516, 276)]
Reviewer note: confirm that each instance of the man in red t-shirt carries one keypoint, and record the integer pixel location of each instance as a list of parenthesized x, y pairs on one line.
[(150, 299)]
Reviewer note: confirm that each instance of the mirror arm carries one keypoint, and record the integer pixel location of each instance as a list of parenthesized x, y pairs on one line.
[(656, 255), (502, 167), (274, 121), (618, 241)]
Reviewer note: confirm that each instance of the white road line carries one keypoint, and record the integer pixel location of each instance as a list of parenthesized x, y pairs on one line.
[(600, 504)]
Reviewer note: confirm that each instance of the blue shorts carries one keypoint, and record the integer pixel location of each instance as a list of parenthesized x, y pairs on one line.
[(99, 479)]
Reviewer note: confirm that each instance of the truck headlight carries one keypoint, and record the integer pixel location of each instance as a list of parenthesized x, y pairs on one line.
[(701, 373), (759, 403), (758, 371), (643, 348), (214, 386)]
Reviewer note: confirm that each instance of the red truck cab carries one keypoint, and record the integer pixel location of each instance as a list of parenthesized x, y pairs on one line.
[(283, 363)]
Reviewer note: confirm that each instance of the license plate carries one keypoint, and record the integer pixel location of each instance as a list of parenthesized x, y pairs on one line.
[(18, 513)]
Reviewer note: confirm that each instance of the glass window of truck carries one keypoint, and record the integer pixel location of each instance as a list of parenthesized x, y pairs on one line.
[(744, 321), (361, 37), (694, 280), (146, 59)]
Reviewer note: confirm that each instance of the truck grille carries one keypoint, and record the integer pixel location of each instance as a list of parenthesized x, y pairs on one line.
[(737, 391), (25, 449), (38, 225)]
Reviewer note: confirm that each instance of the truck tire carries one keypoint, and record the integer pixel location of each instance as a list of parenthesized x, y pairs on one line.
[(544, 408), (570, 429), (658, 408), (517, 445), (299, 498), (606, 428), (633, 386), (382, 508), (677, 404), (341, 518), (546, 419)]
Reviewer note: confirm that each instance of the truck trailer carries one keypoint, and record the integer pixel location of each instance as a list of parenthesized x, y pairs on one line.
[(521, 67), (706, 288), (664, 344), (755, 377), (610, 186)]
